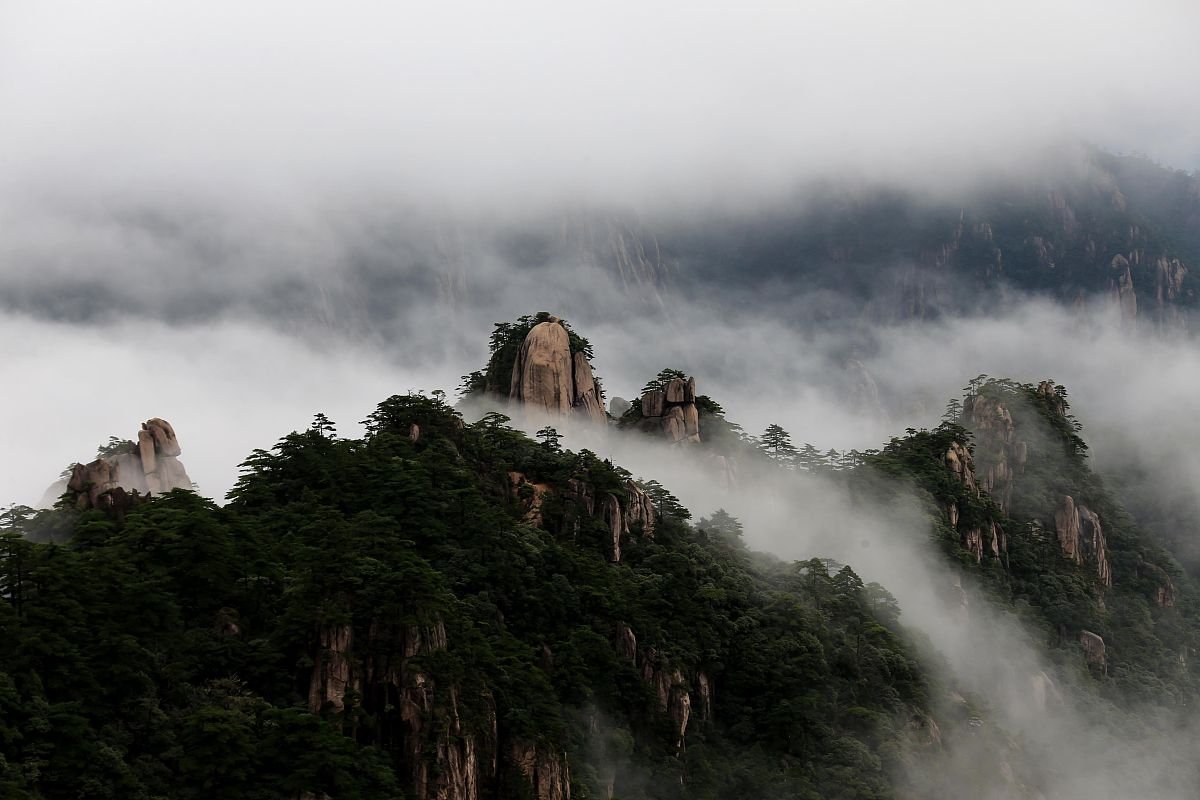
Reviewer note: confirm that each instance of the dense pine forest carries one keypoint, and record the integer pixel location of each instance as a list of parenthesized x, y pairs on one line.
[(456, 610)]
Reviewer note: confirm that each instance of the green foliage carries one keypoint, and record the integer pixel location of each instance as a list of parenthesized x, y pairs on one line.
[(1056, 594), (777, 443), (171, 654), (659, 382)]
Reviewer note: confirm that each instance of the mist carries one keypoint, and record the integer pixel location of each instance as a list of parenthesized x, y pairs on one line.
[(236, 217), (489, 107), (1066, 741)]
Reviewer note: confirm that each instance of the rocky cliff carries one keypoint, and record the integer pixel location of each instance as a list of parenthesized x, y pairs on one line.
[(385, 676), (149, 466), (1081, 537), (550, 379), (999, 454), (624, 513), (670, 409), (672, 689), (978, 536)]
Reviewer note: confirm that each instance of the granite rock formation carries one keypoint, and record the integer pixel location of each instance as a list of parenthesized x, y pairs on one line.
[(549, 379), (1081, 537), (983, 537), (617, 407), (626, 513), (381, 670), (150, 466), (1094, 652), (671, 410)]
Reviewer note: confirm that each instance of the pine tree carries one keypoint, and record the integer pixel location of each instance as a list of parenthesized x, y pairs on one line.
[(777, 443), (551, 438)]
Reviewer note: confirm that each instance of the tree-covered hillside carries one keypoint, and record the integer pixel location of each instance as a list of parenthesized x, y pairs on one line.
[(434, 611), (454, 610)]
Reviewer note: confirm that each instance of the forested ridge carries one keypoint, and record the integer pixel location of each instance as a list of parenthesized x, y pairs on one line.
[(455, 610), (195, 651)]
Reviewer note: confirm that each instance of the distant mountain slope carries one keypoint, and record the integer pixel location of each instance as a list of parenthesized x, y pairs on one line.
[(1106, 225), (1089, 225)]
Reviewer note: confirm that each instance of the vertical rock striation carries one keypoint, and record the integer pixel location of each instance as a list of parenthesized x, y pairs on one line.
[(1081, 537), (550, 380)]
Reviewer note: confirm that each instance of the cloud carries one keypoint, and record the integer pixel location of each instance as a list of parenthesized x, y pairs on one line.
[(491, 106), (227, 387)]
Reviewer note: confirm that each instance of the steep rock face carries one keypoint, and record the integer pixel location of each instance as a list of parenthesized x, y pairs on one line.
[(623, 516), (1169, 275), (1164, 587), (546, 770), (1094, 652), (610, 512), (1081, 537), (999, 456), (151, 467), (1121, 286), (587, 401), (422, 722), (639, 510), (962, 466), (671, 690), (542, 374), (332, 672), (637, 514), (530, 495), (672, 410), (986, 537), (625, 643), (704, 696), (551, 380)]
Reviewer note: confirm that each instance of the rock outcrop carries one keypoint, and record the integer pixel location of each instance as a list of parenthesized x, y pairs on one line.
[(423, 723), (637, 514), (1081, 537), (546, 770), (618, 406), (1094, 652), (986, 536), (962, 466), (1169, 275), (449, 751), (671, 410), (625, 643), (671, 690), (1164, 592), (551, 380), (704, 696), (1121, 287), (999, 455), (149, 466), (629, 512), (530, 495)]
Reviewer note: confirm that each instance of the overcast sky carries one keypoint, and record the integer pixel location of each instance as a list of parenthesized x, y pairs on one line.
[(534, 101)]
